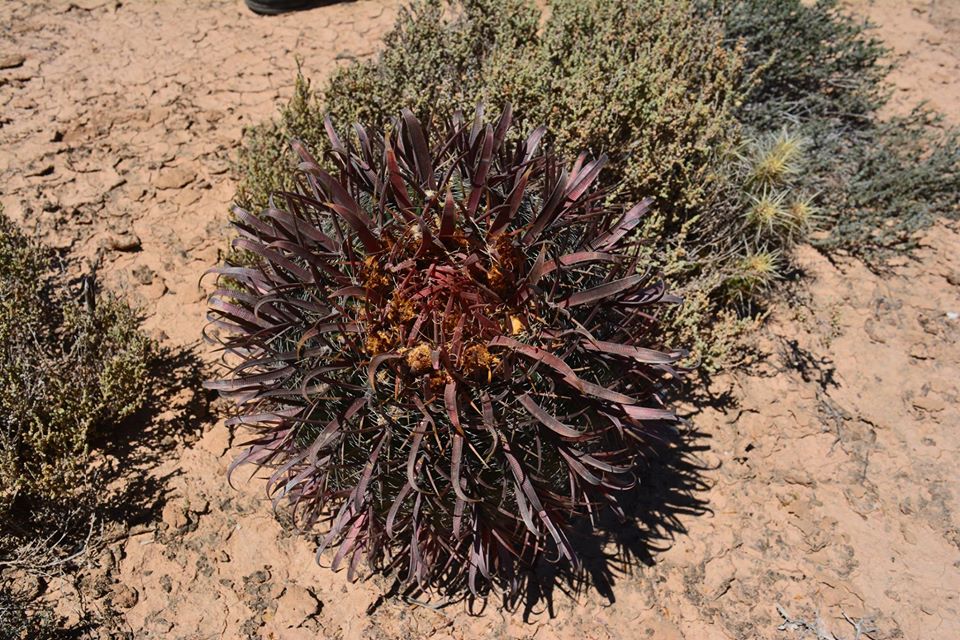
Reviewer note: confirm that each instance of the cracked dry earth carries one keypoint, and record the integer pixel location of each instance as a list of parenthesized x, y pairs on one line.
[(822, 498)]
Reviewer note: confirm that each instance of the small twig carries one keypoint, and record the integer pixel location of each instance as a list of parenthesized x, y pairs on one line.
[(793, 624), (436, 607), (862, 627), (25, 556)]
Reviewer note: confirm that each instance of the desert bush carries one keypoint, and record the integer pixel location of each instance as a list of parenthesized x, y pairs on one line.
[(73, 364), (22, 619), (650, 83), (445, 348), (688, 98), (878, 179)]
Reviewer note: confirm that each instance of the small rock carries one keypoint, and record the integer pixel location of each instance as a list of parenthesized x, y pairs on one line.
[(174, 178), (200, 507), (156, 623), (799, 476), (217, 440), (124, 596), (123, 242), (216, 166), (87, 5), (40, 170), (174, 516), (259, 577), (155, 290), (11, 60), (96, 582), (920, 351), (295, 606)]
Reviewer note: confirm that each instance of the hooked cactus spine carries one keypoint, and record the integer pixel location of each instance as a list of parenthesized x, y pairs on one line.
[(445, 350)]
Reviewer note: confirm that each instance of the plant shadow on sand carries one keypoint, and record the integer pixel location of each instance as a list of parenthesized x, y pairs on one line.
[(672, 486), (175, 413)]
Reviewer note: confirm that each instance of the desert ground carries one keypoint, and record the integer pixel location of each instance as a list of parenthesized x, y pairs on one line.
[(819, 497)]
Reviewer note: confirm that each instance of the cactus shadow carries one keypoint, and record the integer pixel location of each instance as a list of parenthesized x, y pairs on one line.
[(672, 488)]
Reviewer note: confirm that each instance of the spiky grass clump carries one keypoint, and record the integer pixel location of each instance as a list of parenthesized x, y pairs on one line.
[(804, 215), (445, 350), (816, 65), (777, 214), (754, 274), (774, 160), (768, 214)]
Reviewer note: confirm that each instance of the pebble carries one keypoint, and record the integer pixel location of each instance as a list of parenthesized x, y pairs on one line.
[(11, 60), (123, 242)]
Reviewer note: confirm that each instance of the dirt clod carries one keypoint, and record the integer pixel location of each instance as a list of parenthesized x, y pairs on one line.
[(123, 242), (123, 596), (174, 515), (295, 606)]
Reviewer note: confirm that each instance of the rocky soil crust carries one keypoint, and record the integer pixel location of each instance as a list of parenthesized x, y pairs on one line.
[(819, 497)]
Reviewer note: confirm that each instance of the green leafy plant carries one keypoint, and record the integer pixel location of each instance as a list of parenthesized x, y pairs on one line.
[(878, 180), (446, 349), (73, 364), (21, 619), (649, 83)]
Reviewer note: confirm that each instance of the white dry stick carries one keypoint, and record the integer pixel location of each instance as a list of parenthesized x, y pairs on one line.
[(793, 624), (862, 627)]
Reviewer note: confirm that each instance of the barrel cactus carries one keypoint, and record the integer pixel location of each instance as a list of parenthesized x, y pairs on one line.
[(444, 348)]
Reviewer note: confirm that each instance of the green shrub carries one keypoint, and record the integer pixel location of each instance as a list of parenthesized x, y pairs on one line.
[(649, 83), (752, 123), (878, 180), (21, 619), (72, 366)]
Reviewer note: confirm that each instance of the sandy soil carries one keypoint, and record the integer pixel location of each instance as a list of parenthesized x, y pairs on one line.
[(819, 499)]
